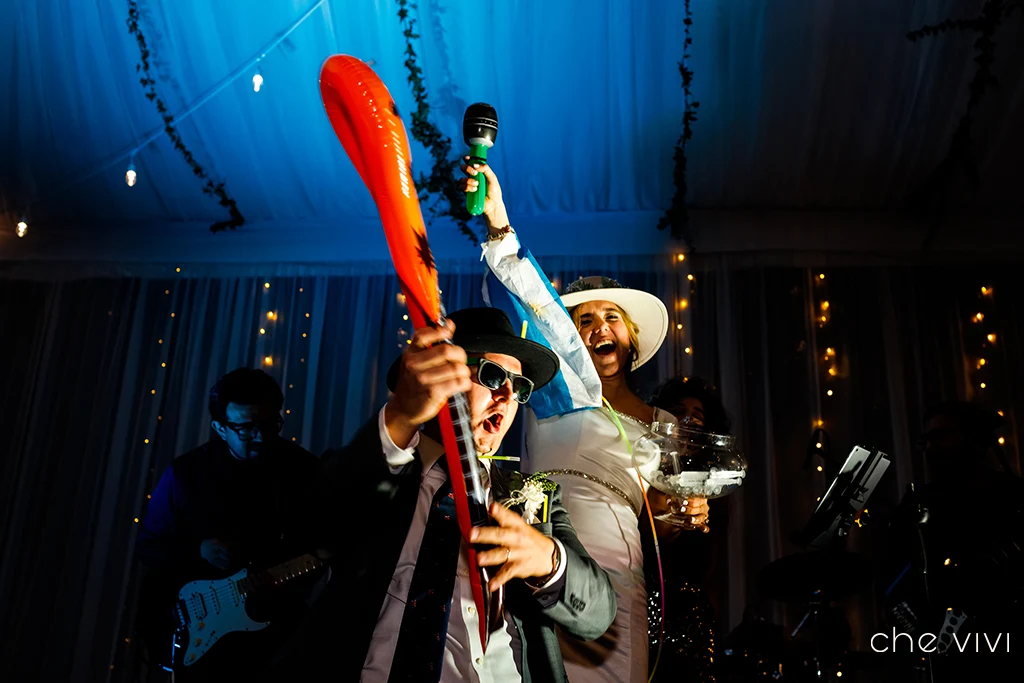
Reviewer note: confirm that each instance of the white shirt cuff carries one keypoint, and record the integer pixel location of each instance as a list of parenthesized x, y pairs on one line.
[(561, 567), (495, 250), (396, 457)]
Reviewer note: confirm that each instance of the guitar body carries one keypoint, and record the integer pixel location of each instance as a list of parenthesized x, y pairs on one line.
[(206, 610)]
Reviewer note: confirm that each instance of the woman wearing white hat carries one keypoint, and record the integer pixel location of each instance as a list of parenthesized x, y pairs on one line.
[(582, 425)]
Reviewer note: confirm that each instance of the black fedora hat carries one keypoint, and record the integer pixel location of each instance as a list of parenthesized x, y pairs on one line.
[(488, 330)]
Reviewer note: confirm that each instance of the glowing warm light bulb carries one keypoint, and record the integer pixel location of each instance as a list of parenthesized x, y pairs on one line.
[(271, 315), (145, 441), (263, 330), (832, 371), (946, 562), (680, 257), (1000, 413), (687, 350), (830, 351), (821, 276), (985, 291), (683, 303), (268, 360), (981, 361), (136, 520), (257, 82), (817, 445), (982, 385), (1002, 441), (303, 335), (824, 319), (819, 468), (978, 317), (177, 270), (22, 228), (405, 317), (266, 285), (991, 338), (307, 315), (821, 423), (679, 326), (824, 305), (829, 392), (690, 277), (130, 175)]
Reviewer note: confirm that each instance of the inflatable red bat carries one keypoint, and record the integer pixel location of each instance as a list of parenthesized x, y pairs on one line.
[(366, 121)]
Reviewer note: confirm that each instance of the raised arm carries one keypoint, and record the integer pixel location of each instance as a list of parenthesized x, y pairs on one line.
[(517, 285)]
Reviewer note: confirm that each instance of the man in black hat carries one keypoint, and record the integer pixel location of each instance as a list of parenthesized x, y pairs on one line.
[(399, 605)]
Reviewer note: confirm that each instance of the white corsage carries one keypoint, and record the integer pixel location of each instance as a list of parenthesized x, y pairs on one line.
[(533, 496)]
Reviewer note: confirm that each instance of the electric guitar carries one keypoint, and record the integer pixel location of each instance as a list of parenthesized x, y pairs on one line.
[(207, 610)]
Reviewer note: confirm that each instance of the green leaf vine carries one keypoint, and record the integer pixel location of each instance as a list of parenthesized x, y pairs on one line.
[(148, 83), (442, 177), (960, 156), (677, 215)]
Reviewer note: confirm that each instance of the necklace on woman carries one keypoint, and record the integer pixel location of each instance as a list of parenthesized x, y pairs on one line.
[(637, 420)]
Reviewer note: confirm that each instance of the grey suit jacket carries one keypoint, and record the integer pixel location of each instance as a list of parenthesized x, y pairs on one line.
[(363, 512)]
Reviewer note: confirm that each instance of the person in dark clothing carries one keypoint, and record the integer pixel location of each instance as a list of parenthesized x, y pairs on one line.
[(968, 519), (232, 503), (688, 562), (400, 605)]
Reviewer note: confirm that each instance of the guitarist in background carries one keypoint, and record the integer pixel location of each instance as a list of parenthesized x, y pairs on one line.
[(232, 503), (399, 605)]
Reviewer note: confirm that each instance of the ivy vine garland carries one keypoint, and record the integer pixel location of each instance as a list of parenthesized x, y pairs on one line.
[(677, 216), (149, 86), (441, 180), (960, 153)]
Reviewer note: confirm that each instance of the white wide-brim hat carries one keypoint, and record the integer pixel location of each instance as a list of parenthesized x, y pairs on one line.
[(646, 310)]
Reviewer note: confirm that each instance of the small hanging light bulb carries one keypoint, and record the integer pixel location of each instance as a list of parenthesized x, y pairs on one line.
[(257, 79), (22, 227), (130, 176)]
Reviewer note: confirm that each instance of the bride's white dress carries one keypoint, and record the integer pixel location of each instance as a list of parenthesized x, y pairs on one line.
[(570, 434)]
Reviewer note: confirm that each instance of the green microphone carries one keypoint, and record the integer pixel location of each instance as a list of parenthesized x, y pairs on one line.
[(479, 129)]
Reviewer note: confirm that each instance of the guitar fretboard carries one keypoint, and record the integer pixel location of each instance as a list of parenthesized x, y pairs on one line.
[(476, 492), (282, 573)]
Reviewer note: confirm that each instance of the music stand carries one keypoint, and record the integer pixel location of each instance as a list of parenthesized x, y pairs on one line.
[(829, 525), (845, 498)]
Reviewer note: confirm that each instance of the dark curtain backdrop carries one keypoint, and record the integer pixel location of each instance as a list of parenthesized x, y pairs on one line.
[(103, 382)]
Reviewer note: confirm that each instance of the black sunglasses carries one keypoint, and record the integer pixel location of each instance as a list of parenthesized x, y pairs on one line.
[(246, 431), (491, 375)]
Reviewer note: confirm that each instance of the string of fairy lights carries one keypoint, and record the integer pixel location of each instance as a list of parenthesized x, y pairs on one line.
[(681, 313), (980, 341)]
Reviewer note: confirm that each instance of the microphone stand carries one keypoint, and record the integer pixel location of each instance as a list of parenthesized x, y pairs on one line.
[(919, 563)]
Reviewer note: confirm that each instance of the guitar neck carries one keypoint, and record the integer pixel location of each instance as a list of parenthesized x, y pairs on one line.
[(282, 573), (476, 492)]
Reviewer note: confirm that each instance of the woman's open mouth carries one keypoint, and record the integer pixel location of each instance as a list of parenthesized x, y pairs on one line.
[(604, 348)]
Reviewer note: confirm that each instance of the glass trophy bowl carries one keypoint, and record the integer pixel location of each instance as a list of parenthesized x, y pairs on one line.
[(686, 463)]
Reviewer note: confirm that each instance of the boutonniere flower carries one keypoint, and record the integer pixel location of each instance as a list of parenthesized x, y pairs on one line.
[(532, 494)]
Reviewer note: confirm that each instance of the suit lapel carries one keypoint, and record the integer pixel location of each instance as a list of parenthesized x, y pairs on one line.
[(499, 483)]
